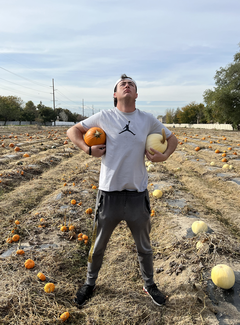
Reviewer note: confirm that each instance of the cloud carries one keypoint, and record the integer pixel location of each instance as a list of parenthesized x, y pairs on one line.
[(172, 49)]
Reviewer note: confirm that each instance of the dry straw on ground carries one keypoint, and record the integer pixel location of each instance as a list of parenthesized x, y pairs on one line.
[(190, 191)]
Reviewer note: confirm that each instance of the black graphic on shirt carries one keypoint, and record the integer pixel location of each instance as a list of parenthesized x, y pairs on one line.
[(126, 128)]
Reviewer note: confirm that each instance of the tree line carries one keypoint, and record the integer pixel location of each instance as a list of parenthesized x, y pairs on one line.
[(221, 105), (12, 108)]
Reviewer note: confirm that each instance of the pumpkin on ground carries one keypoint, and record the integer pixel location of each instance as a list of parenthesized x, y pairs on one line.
[(65, 316), (29, 263), (199, 226), (95, 136), (16, 238), (20, 252), (157, 193), (157, 142), (49, 287), (41, 276), (223, 276)]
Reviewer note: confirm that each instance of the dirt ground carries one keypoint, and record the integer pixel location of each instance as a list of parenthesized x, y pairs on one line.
[(195, 186)]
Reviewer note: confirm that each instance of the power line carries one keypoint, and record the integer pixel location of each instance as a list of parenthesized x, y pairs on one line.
[(24, 78), (67, 97), (25, 86), (20, 92)]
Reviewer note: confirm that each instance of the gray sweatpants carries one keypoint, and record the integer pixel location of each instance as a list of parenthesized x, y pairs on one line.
[(111, 208)]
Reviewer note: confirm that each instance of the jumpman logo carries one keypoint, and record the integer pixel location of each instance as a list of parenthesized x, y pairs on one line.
[(126, 128)]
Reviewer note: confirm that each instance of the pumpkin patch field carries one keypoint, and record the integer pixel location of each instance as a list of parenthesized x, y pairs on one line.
[(48, 189)]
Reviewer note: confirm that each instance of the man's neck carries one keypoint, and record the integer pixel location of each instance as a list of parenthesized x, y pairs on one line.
[(126, 108)]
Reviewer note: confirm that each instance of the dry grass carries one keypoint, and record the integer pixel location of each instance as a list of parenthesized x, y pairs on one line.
[(119, 298)]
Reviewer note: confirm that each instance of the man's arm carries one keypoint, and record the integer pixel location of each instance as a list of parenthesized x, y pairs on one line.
[(158, 156), (75, 134)]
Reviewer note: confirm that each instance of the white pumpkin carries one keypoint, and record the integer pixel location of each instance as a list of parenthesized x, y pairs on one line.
[(150, 168), (225, 166), (157, 142), (223, 276), (199, 226), (157, 193)]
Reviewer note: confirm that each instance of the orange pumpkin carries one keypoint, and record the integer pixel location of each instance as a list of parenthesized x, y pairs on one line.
[(65, 316), (197, 148), (20, 252), (217, 151), (16, 149), (49, 287), (63, 228), (16, 238), (29, 264), (41, 276), (95, 136), (11, 145)]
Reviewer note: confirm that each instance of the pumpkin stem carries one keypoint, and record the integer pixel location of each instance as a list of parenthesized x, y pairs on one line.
[(97, 134), (164, 136)]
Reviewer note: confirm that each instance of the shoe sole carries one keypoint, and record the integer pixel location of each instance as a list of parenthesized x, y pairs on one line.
[(145, 290)]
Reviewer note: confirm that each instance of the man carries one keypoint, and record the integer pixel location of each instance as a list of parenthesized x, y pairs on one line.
[(122, 193)]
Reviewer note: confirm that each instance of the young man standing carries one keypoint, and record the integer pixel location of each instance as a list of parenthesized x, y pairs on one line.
[(122, 193)]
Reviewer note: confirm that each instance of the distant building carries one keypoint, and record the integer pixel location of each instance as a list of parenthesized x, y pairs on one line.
[(162, 119)]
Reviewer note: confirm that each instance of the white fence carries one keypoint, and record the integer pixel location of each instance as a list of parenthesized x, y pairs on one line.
[(202, 126)]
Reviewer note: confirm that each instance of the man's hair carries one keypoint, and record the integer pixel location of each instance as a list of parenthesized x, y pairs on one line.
[(123, 76)]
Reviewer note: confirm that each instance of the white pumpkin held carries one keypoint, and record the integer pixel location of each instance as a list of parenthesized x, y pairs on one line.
[(199, 226), (157, 142), (223, 276)]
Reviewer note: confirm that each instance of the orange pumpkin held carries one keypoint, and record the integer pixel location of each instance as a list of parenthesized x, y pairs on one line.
[(95, 136)]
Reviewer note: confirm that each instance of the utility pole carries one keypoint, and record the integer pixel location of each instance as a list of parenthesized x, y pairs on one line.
[(83, 107), (53, 100), (92, 110)]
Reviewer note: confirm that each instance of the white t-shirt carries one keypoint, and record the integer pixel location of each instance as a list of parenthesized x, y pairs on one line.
[(122, 166)]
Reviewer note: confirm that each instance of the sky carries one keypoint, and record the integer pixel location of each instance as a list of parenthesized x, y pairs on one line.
[(172, 50)]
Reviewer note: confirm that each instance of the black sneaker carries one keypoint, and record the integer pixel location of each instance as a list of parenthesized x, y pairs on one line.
[(157, 297), (83, 294)]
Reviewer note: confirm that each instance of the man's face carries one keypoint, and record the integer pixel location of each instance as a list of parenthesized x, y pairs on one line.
[(126, 89)]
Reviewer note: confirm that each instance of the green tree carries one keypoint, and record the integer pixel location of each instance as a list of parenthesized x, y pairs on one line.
[(169, 115), (192, 113), (29, 113), (176, 117), (223, 102), (45, 114), (10, 108)]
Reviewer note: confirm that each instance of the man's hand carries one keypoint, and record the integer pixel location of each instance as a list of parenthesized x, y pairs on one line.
[(98, 150), (157, 156)]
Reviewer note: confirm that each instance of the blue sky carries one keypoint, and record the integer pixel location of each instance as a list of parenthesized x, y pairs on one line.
[(171, 48)]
